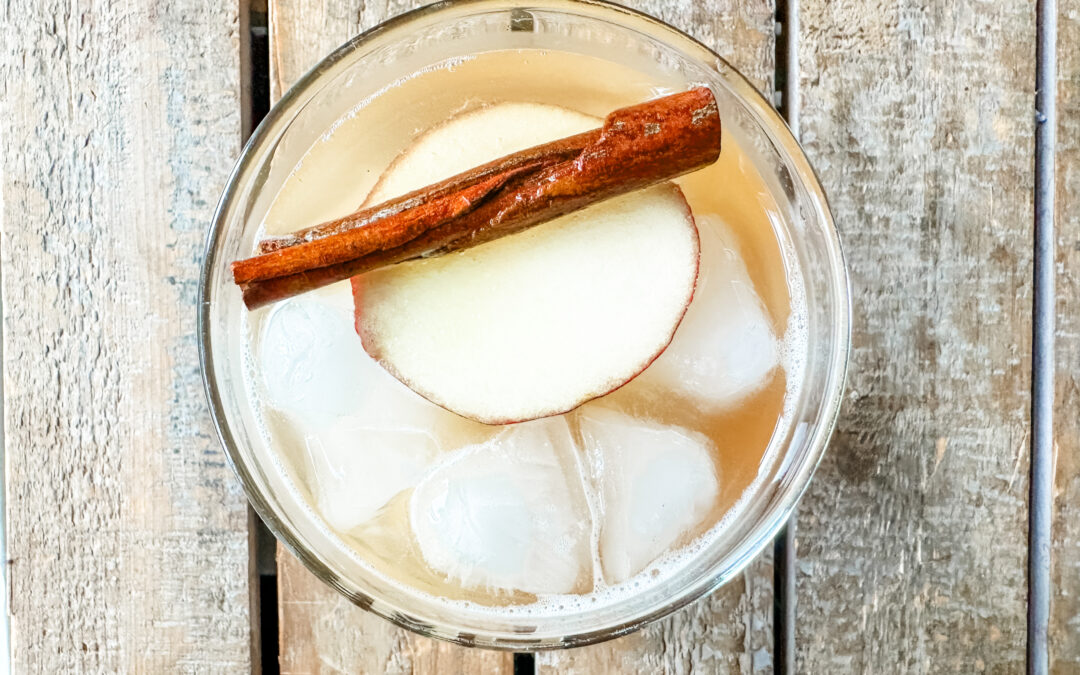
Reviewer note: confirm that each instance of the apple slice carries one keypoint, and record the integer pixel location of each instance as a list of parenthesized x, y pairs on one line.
[(538, 323), (475, 138)]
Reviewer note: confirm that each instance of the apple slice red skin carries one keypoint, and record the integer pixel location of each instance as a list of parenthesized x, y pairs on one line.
[(357, 284)]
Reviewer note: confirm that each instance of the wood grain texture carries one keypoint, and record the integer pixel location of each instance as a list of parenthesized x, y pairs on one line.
[(322, 632), (729, 632), (127, 530), (912, 538), (304, 31), (1065, 608)]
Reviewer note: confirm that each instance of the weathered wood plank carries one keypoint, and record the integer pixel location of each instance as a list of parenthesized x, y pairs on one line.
[(127, 530), (319, 630), (729, 632), (1065, 616), (303, 31), (912, 538), (322, 632)]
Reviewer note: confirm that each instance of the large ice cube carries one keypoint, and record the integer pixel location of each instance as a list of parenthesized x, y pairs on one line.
[(367, 436), (508, 514), (310, 357), (725, 347), (315, 369), (657, 485), (357, 469)]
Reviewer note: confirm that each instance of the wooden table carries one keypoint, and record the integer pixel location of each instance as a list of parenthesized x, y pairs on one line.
[(130, 545)]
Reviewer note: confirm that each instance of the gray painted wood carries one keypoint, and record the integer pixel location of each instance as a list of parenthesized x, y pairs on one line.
[(1065, 603), (912, 538), (127, 531)]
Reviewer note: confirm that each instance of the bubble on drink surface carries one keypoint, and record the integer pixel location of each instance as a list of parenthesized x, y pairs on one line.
[(508, 514), (657, 485), (725, 347)]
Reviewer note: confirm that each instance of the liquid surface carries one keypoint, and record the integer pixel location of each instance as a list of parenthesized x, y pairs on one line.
[(606, 498)]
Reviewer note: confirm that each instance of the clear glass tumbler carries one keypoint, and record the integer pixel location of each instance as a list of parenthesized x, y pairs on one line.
[(454, 29)]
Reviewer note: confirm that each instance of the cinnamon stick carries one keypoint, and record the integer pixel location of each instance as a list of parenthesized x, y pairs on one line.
[(637, 146), (533, 159)]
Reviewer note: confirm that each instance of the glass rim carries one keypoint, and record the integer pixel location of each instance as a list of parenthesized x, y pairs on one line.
[(774, 515)]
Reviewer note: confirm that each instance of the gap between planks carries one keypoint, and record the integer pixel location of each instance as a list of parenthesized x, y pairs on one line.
[(785, 549)]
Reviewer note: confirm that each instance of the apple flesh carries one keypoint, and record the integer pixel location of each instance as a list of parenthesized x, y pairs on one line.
[(537, 323)]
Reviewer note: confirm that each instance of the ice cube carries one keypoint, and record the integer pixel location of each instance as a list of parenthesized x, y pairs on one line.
[(310, 357), (509, 513), (315, 369), (357, 470), (657, 485), (367, 435), (725, 347)]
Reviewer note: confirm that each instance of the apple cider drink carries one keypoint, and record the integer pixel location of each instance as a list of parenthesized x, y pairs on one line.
[(553, 417)]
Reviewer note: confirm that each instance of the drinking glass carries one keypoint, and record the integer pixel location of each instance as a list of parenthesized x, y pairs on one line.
[(449, 30)]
